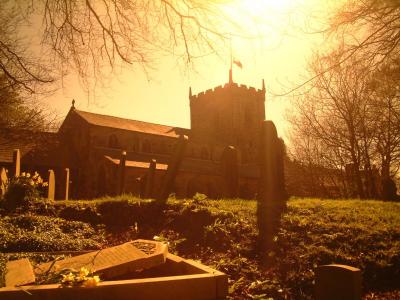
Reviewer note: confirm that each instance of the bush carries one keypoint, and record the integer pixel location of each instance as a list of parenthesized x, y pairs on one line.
[(22, 191)]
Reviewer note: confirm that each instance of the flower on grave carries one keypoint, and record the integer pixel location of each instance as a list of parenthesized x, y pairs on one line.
[(45, 184), (91, 281), (68, 279), (83, 273)]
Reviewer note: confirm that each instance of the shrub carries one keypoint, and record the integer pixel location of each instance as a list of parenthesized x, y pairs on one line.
[(23, 190)]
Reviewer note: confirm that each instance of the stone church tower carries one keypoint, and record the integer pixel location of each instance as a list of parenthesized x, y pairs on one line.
[(229, 115)]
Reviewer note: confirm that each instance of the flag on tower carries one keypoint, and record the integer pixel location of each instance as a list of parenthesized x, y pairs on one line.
[(238, 63)]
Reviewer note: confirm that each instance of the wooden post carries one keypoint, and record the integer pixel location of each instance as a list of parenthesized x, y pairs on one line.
[(66, 177), (121, 177), (230, 171), (150, 179), (16, 163), (3, 182), (51, 188), (272, 194), (173, 168), (338, 282)]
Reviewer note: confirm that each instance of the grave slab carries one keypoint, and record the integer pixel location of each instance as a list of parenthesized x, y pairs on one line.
[(338, 282), (114, 261), (19, 272), (191, 280)]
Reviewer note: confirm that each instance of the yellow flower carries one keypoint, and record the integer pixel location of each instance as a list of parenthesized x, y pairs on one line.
[(28, 175), (45, 184), (23, 174), (36, 175), (91, 281), (83, 272), (31, 182), (68, 278)]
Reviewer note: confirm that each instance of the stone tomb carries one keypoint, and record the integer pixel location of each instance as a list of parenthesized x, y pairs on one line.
[(177, 278), (19, 272), (114, 261), (338, 282)]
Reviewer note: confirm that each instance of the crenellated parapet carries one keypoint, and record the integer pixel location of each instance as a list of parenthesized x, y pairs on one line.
[(239, 89)]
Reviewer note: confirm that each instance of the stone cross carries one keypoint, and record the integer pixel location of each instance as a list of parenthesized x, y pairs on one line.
[(16, 163), (230, 171), (173, 168), (272, 194), (3, 181), (338, 282), (51, 185), (121, 173), (66, 178), (148, 193)]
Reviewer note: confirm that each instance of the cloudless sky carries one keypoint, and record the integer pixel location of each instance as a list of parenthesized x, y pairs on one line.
[(279, 57)]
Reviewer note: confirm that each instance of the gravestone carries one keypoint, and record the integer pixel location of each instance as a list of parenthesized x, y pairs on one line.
[(16, 163), (230, 171), (272, 194), (51, 188), (338, 282), (66, 178), (173, 168), (148, 193), (19, 272), (121, 173), (114, 261), (3, 181)]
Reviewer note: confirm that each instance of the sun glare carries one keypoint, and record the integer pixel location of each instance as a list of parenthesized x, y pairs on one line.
[(261, 6)]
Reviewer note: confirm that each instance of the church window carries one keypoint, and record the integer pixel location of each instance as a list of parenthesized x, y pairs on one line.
[(204, 153), (146, 147), (248, 116), (113, 141), (134, 145)]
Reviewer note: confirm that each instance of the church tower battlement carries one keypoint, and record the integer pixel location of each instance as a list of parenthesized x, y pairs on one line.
[(230, 114)]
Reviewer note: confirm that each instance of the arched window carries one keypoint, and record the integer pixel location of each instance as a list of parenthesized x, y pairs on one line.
[(204, 153), (146, 146), (248, 115), (134, 145), (113, 141)]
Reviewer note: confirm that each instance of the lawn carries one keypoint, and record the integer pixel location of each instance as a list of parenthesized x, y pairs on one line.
[(223, 234)]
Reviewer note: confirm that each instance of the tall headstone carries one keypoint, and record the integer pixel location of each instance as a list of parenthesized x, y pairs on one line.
[(230, 171), (16, 163), (338, 282), (3, 181), (51, 188), (121, 173), (150, 179), (66, 178), (272, 194), (173, 168)]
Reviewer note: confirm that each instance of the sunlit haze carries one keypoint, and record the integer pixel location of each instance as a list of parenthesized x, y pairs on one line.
[(277, 51)]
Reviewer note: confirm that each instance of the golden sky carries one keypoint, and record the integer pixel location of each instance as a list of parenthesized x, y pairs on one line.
[(279, 57)]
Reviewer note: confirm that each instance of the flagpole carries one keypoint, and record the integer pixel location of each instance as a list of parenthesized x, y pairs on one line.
[(230, 70)]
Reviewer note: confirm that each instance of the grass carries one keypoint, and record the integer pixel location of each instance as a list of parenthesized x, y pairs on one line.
[(223, 234)]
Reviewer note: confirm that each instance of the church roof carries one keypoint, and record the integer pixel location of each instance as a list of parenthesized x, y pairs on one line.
[(131, 125)]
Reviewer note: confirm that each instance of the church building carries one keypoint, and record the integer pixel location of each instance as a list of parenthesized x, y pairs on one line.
[(228, 115)]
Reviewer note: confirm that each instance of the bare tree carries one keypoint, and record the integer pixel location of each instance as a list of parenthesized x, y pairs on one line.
[(370, 27), (333, 114), (93, 37)]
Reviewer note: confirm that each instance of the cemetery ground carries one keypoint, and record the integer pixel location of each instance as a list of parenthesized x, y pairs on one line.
[(223, 235)]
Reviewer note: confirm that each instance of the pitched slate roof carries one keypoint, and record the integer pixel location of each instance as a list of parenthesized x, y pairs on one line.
[(132, 125)]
